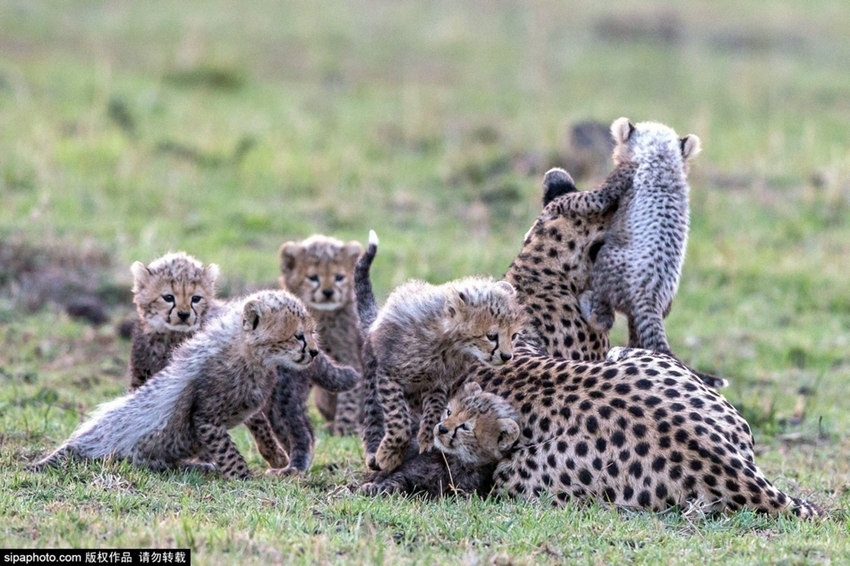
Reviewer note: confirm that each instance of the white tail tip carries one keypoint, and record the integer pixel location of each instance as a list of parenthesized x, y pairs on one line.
[(373, 238)]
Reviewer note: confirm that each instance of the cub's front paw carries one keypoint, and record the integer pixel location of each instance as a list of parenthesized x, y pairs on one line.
[(282, 472)]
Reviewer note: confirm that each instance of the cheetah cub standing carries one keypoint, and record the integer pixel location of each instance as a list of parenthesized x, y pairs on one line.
[(477, 431), (637, 269), (418, 349), (174, 296), (320, 272), (216, 380)]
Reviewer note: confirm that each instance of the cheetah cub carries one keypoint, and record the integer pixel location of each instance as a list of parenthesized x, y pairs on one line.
[(418, 348), (637, 269), (219, 378), (477, 430), (320, 272), (174, 296)]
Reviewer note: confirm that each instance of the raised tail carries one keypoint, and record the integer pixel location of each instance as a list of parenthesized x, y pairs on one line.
[(367, 308)]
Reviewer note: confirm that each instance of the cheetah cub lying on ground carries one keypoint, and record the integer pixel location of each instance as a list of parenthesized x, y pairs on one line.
[(638, 268), (216, 380), (477, 431), (174, 296), (320, 272), (418, 348)]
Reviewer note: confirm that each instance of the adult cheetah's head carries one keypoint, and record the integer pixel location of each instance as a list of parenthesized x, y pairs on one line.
[(320, 271), (278, 329), (645, 141), (173, 292), (479, 428), (483, 317)]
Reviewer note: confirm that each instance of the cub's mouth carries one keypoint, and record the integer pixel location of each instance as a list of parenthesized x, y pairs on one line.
[(328, 305)]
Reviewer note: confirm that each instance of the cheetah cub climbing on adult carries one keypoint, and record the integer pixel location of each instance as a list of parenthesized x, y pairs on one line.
[(638, 268), (174, 296), (320, 271), (418, 348), (221, 377)]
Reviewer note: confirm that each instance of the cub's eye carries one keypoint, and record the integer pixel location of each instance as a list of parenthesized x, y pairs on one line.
[(299, 336), (448, 412), (339, 277), (515, 336), (168, 298), (493, 337), (314, 278), (463, 426), (196, 299)]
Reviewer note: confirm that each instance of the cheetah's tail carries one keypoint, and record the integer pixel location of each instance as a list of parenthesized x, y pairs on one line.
[(557, 182), (53, 460), (367, 308)]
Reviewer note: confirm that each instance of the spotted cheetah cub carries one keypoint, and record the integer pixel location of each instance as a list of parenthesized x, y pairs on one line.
[(637, 269), (174, 296), (418, 348), (477, 430), (219, 378), (320, 272)]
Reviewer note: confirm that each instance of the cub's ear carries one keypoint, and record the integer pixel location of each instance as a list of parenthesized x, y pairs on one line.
[(691, 146), (252, 313), (508, 433), (141, 275), (352, 250), (211, 273), (289, 254), (506, 287), (557, 182), (455, 302), (470, 388), (621, 130)]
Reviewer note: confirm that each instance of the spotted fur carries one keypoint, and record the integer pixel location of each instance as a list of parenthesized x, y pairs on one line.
[(219, 378), (553, 267), (638, 268), (320, 271), (639, 431), (420, 343), (174, 296)]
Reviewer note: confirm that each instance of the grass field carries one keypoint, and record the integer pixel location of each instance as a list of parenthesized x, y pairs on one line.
[(225, 128)]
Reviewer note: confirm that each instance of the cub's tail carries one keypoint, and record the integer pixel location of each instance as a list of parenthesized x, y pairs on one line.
[(367, 308)]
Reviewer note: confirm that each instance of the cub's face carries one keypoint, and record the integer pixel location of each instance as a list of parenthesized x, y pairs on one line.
[(484, 320), (279, 330), (173, 293), (479, 428), (320, 271)]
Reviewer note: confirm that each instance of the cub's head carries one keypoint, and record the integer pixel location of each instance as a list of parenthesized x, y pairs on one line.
[(320, 271), (483, 317), (648, 140), (174, 292), (478, 427), (278, 330)]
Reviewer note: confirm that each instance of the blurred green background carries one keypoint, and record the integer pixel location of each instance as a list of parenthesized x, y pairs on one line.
[(129, 129)]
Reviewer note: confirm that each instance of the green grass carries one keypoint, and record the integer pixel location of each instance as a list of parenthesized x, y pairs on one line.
[(139, 128)]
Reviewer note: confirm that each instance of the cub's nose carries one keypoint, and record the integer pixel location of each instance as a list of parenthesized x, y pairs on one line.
[(506, 357), (328, 293), (183, 315), (441, 429), (314, 353)]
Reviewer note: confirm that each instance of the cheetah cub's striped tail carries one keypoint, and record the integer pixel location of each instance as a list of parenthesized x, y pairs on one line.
[(367, 307)]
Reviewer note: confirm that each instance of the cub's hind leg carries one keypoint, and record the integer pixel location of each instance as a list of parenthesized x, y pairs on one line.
[(397, 424), (217, 442), (267, 444), (291, 426), (348, 410)]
